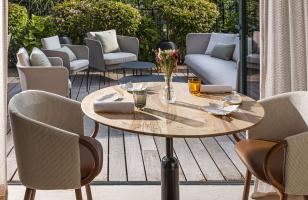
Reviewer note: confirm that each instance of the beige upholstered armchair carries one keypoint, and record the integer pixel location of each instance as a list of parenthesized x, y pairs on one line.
[(51, 150), (129, 49), (276, 151), (75, 61), (53, 78)]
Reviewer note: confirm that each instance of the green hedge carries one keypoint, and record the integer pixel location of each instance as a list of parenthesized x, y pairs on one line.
[(186, 16), (76, 18)]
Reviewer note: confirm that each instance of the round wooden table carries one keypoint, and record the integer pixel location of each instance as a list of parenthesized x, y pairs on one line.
[(184, 118)]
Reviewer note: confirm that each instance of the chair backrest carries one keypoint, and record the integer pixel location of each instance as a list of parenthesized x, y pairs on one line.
[(51, 43), (23, 57), (47, 156)]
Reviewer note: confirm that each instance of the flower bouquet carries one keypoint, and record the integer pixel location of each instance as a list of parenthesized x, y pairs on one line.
[(167, 62)]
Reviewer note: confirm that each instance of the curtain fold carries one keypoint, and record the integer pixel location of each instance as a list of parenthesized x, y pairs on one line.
[(3, 94), (284, 46)]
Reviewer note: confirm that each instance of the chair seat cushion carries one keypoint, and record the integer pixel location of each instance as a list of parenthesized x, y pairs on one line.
[(79, 65), (253, 154), (118, 58), (86, 159)]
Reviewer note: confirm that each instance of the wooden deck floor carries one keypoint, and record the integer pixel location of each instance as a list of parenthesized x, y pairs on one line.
[(135, 159)]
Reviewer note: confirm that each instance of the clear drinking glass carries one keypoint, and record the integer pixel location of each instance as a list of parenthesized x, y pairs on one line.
[(140, 98), (194, 85)]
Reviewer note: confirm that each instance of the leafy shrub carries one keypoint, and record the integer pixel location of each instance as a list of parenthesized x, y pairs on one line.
[(76, 18), (18, 19), (38, 27), (148, 36), (186, 16)]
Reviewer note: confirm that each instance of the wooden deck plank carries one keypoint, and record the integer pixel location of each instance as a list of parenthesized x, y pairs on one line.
[(190, 167), (150, 158), (103, 138), (204, 160), (226, 167), (11, 165), (134, 160), (117, 164), (228, 146)]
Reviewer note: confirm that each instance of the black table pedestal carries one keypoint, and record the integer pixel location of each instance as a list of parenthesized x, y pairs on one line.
[(169, 174)]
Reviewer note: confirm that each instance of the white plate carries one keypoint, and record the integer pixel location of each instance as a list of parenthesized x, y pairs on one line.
[(109, 97), (233, 99), (130, 87), (216, 109)]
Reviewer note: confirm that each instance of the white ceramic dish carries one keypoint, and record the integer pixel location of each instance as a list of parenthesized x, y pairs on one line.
[(233, 99), (216, 109)]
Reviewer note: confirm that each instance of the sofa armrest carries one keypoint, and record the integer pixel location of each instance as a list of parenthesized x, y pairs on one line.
[(51, 79), (129, 44), (196, 43), (81, 51), (62, 55), (96, 55), (55, 61)]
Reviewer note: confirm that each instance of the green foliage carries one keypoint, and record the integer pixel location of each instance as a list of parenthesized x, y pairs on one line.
[(38, 27), (18, 20), (76, 18), (148, 36), (186, 16)]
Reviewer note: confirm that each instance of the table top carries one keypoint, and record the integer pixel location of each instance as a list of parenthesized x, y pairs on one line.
[(137, 65), (184, 118)]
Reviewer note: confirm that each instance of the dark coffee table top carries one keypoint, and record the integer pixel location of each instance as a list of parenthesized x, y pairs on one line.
[(137, 65)]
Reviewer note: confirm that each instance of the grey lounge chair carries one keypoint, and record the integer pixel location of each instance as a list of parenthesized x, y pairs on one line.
[(54, 79), (129, 49), (51, 46)]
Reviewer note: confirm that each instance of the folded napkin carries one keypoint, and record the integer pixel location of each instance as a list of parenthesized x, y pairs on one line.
[(215, 88), (113, 105)]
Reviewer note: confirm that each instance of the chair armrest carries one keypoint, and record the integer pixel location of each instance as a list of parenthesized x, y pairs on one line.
[(282, 117), (62, 55), (44, 152), (51, 79), (81, 51), (128, 44), (96, 55), (55, 61), (196, 43)]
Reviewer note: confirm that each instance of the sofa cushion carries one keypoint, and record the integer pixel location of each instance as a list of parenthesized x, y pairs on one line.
[(108, 40), (78, 65), (69, 52), (23, 57), (118, 58), (223, 51), (51, 43), (38, 58), (219, 38), (213, 70)]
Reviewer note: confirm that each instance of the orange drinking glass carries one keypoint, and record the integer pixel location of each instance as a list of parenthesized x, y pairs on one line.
[(194, 85)]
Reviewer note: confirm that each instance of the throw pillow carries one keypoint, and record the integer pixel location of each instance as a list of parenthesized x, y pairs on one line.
[(108, 40), (219, 38), (223, 51), (38, 58), (69, 52)]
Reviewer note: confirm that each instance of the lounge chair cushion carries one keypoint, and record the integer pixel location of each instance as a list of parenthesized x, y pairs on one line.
[(108, 40), (77, 65), (118, 58), (69, 52), (51, 43), (219, 38), (23, 57), (38, 58)]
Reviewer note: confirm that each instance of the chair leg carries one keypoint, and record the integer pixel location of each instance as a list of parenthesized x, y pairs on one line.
[(33, 194), (78, 194), (104, 78), (88, 72), (306, 197), (282, 196), (28, 194), (247, 185), (88, 191)]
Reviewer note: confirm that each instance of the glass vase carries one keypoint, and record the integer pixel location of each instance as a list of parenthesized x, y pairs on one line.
[(167, 91)]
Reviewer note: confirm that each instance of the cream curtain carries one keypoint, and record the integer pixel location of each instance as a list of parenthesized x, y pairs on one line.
[(284, 46), (3, 97)]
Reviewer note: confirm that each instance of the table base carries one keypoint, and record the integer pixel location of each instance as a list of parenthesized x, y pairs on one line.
[(169, 174)]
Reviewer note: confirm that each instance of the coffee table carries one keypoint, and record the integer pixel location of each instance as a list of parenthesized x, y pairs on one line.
[(137, 65), (184, 118)]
